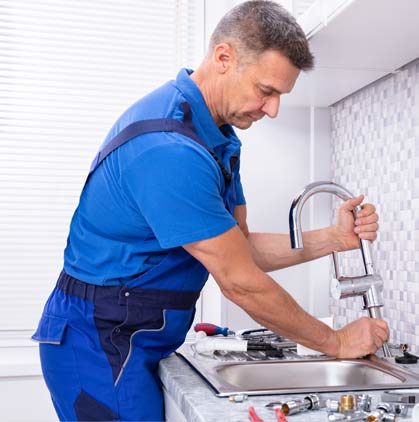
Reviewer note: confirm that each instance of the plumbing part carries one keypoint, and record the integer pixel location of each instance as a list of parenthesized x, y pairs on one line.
[(212, 329), (399, 409), (374, 417), (336, 417), (274, 404), (238, 398), (392, 409), (363, 402), (380, 415), (401, 347), (386, 407), (292, 407), (368, 286), (310, 402), (332, 405), (347, 403), (314, 399), (356, 416)]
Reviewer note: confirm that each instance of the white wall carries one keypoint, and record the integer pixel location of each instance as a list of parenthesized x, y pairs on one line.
[(375, 134), (280, 157), (320, 208)]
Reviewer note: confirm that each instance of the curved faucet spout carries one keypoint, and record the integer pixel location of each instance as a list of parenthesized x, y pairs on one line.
[(369, 285), (296, 235)]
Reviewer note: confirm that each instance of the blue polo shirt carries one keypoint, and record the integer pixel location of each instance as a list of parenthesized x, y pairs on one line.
[(156, 192)]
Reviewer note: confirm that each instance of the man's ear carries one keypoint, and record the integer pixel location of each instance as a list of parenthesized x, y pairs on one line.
[(224, 57)]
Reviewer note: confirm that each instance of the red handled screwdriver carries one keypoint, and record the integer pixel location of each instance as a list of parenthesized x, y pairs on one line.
[(212, 329)]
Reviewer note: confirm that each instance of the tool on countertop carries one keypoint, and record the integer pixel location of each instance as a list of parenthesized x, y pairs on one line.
[(347, 403), (252, 332), (356, 416), (395, 408), (358, 408), (212, 329), (401, 347), (363, 402), (280, 417), (238, 398), (253, 416), (406, 397), (407, 358), (255, 340)]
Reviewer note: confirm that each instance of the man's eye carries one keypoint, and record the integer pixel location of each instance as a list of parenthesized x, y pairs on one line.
[(265, 92)]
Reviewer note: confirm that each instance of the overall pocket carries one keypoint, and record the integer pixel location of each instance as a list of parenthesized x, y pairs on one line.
[(51, 329)]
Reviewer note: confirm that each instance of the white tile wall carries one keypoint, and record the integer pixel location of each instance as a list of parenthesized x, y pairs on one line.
[(375, 151)]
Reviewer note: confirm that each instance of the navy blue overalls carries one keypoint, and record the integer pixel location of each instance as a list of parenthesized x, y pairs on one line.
[(100, 345)]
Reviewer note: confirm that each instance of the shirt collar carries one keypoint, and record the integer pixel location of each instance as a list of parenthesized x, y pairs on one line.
[(201, 116)]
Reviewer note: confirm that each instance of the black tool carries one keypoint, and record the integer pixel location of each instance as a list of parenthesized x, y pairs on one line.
[(407, 358)]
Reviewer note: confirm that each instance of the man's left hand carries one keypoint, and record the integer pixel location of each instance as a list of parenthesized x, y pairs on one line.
[(348, 231)]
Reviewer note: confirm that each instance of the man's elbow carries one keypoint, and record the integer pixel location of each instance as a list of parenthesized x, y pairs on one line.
[(242, 288)]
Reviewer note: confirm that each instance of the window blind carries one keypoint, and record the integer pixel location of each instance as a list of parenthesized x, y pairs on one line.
[(68, 69)]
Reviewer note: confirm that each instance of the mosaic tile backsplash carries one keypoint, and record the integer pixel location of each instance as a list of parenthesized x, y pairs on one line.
[(375, 151)]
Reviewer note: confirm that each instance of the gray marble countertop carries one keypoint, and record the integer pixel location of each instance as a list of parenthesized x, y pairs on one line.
[(198, 402)]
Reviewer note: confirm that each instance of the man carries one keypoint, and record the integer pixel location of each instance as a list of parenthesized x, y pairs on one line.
[(163, 206)]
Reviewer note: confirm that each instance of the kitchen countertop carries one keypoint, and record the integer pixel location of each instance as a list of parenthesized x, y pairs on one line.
[(198, 402)]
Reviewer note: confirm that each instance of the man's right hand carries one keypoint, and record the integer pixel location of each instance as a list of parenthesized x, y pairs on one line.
[(361, 337)]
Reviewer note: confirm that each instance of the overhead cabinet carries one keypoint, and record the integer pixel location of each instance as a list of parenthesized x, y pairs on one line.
[(355, 42)]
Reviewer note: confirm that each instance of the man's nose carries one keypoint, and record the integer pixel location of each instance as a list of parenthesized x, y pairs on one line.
[(271, 106)]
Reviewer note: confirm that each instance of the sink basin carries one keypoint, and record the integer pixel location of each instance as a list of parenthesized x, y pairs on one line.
[(305, 374), (300, 376)]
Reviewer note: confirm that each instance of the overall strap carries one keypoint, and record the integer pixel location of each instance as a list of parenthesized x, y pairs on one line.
[(142, 127)]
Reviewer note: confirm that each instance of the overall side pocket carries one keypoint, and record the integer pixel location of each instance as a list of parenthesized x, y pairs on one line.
[(51, 329)]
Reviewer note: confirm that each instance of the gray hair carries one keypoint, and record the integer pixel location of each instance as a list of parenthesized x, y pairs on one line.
[(256, 26)]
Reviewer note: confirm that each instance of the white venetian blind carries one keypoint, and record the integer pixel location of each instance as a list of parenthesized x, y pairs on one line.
[(68, 69)]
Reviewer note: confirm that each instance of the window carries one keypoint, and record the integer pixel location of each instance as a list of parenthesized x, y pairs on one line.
[(68, 69)]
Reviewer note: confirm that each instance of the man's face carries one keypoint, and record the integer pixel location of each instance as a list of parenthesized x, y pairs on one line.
[(253, 91)]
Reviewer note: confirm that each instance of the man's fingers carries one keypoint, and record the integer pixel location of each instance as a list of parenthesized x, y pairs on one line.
[(373, 218), (381, 328), (366, 228), (350, 204), (382, 335), (368, 236), (367, 211)]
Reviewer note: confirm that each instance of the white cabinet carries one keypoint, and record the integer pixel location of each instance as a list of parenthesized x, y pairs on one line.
[(354, 43)]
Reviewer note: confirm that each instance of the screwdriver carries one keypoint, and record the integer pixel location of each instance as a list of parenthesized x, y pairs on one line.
[(212, 329)]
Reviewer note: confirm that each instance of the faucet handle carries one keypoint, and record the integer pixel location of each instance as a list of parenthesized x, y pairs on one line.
[(368, 286)]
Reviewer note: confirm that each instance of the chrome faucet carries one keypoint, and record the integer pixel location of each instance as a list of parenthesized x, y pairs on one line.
[(369, 285)]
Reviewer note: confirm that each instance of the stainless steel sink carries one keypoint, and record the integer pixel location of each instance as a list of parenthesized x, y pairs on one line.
[(300, 375)]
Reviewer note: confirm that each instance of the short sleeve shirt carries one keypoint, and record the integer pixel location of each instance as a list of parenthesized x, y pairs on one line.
[(157, 192)]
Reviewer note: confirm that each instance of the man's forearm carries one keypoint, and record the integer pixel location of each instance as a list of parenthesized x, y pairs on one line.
[(273, 251), (270, 305)]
